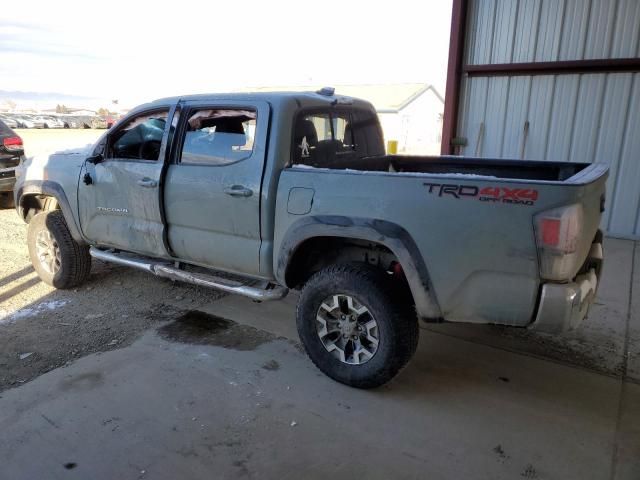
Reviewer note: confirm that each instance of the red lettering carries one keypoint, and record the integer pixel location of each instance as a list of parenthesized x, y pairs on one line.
[(490, 192)]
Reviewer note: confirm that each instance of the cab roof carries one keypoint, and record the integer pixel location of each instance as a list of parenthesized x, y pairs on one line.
[(320, 98)]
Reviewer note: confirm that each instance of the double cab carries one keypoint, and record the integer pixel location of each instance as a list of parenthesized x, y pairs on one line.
[(295, 191)]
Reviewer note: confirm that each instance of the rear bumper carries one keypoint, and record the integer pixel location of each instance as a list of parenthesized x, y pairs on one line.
[(564, 306)]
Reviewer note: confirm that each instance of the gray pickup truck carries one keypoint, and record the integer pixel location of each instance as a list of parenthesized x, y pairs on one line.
[(295, 191)]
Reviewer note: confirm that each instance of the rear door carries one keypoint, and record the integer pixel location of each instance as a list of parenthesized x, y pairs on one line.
[(212, 190), (119, 197)]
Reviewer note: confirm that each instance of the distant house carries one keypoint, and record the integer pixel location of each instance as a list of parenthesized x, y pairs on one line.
[(410, 113)]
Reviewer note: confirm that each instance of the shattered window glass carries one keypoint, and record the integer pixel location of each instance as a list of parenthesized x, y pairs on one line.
[(219, 136), (140, 138)]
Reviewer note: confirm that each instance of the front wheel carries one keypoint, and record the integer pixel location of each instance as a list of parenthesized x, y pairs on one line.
[(57, 258), (353, 328)]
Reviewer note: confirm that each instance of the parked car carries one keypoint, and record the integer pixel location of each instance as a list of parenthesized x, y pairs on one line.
[(85, 121), (11, 154), (295, 191), (18, 120), (49, 121), (25, 121), (99, 122), (68, 121), (77, 121), (9, 122)]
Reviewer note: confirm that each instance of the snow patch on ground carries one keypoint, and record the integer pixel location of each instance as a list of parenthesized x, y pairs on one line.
[(8, 316)]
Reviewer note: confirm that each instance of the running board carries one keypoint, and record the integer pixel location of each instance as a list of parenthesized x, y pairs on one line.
[(167, 270)]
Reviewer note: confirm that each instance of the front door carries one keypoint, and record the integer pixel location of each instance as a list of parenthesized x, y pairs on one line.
[(119, 196), (212, 188)]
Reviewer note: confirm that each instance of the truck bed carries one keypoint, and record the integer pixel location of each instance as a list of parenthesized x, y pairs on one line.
[(472, 220), (452, 165)]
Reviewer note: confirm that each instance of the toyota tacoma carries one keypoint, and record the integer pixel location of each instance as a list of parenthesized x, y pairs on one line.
[(295, 191)]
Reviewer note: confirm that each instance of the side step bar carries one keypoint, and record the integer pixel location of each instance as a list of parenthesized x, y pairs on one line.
[(167, 270)]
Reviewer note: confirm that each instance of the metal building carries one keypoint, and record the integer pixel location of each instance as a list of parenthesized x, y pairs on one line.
[(550, 80)]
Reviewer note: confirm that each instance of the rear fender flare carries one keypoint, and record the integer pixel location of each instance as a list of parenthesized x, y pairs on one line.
[(389, 234)]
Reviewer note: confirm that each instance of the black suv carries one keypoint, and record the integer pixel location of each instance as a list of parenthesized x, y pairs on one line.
[(11, 152)]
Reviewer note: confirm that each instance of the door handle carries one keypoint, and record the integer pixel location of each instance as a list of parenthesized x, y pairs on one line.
[(238, 191), (147, 183)]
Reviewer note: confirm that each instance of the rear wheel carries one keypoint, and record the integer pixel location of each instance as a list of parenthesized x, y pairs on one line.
[(57, 258), (353, 327)]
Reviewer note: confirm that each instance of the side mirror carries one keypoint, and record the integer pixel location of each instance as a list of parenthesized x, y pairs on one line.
[(95, 159)]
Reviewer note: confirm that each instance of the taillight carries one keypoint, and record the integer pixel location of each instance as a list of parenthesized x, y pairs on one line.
[(558, 234), (13, 144), (550, 231)]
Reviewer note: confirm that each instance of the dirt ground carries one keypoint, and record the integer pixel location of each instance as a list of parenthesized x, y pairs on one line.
[(43, 328)]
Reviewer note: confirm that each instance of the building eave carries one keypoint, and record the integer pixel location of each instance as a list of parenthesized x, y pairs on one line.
[(415, 96)]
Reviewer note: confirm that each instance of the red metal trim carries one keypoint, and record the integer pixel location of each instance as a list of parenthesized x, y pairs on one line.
[(454, 73), (554, 68)]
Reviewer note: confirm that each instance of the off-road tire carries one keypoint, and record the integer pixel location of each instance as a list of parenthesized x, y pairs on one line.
[(397, 323), (75, 261)]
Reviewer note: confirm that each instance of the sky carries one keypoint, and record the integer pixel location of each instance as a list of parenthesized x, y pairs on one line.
[(135, 51)]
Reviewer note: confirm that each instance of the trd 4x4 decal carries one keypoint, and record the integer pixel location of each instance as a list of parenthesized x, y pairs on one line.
[(518, 196)]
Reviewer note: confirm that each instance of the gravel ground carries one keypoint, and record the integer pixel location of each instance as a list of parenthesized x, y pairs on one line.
[(42, 328)]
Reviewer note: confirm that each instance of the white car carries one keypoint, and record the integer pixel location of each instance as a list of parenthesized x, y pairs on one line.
[(49, 122), (29, 122), (9, 122)]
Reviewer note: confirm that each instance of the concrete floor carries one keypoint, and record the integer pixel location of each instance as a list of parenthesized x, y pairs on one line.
[(474, 403)]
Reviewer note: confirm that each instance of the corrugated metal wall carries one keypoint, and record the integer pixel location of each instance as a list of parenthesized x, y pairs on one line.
[(510, 31), (577, 117)]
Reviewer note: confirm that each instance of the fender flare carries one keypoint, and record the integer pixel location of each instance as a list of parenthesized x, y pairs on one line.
[(389, 234), (52, 189)]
